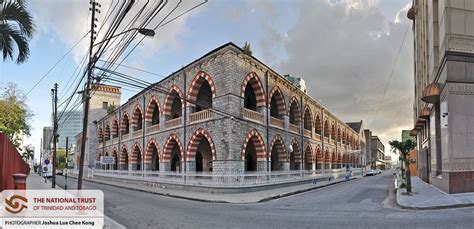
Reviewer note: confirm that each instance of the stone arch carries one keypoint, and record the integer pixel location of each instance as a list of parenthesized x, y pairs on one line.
[(253, 150), (343, 136), (193, 144), (115, 128), (294, 112), (123, 160), (278, 153), (252, 81), (151, 164), (333, 131), (327, 158), (153, 110), (125, 127), (169, 145), (277, 103), (114, 154), (295, 155), (338, 134), (100, 134), (308, 156), (107, 132), (170, 98), (308, 118), (319, 158), (137, 118), (333, 157), (200, 78), (318, 124), (326, 128), (137, 157)]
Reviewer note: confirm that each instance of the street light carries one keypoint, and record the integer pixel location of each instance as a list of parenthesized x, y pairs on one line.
[(143, 31)]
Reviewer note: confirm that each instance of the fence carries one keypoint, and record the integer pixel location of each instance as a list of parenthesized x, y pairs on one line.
[(210, 179), (10, 163)]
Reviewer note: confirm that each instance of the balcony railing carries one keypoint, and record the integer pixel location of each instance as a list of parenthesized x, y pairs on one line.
[(317, 136), (115, 140), (125, 136), (307, 133), (294, 128), (201, 116), (137, 133), (277, 122), (174, 122), (107, 143), (154, 128), (253, 115), (326, 139)]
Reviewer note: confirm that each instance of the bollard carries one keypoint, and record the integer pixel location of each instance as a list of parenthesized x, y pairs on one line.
[(19, 181)]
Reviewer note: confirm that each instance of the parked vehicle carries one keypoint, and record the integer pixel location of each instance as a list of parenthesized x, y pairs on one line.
[(371, 172), (59, 172), (378, 171)]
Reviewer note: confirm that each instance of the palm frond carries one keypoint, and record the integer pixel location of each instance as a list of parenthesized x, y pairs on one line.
[(15, 11), (22, 44), (6, 42)]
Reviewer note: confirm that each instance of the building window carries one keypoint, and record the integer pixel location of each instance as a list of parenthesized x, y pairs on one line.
[(105, 105)]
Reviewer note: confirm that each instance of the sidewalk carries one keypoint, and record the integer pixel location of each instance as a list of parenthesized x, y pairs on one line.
[(36, 182), (249, 197), (430, 197)]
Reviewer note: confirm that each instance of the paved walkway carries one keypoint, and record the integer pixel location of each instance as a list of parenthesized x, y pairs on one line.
[(249, 197), (430, 197)]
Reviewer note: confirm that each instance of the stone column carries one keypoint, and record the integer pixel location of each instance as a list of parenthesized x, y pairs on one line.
[(286, 166), (262, 166), (190, 166), (165, 166)]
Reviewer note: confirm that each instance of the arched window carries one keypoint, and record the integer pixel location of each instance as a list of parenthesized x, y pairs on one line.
[(250, 100), (201, 92), (252, 92), (137, 119), (277, 103), (327, 132), (308, 119), (173, 107), (107, 132), (318, 125), (115, 128), (125, 124), (333, 132), (294, 112), (153, 112)]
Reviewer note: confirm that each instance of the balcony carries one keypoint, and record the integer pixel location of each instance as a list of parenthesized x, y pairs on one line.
[(326, 139), (431, 93), (108, 142), (201, 116), (153, 129), (294, 128), (277, 122), (137, 133), (317, 136), (253, 115), (115, 141), (125, 136), (307, 133), (174, 123)]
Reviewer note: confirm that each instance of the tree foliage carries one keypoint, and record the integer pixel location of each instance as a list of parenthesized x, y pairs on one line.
[(247, 49), (28, 153), (404, 149), (16, 27), (14, 114)]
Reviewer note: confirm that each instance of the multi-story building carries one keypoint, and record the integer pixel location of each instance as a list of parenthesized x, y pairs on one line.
[(444, 95), (370, 160), (361, 153), (47, 140), (226, 112), (378, 152), (70, 124)]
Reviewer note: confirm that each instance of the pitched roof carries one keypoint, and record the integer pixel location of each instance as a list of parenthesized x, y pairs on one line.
[(355, 125)]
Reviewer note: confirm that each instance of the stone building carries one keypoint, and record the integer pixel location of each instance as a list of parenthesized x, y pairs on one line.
[(226, 112), (378, 153), (444, 92)]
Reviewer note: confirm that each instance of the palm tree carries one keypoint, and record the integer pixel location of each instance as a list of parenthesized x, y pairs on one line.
[(247, 49), (29, 154), (16, 26), (404, 148)]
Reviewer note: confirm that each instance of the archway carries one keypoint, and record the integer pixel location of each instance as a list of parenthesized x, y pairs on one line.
[(136, 158), (277, 103), (107, 132), (295, 156), (278, 154), (252, 92), (115, 129), (294, 112), (319, 159), (308, 119), (137, 118), (201, 92), (124, 158), (115, 165), (327, 159), (153, 112), (201, 150), (152, 156), (173, 106), (175, 162), (250, 157), (308, 153), (253, 151), (172, 153), (125, 124)]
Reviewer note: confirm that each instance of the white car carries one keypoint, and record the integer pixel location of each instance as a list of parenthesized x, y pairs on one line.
[(371, 172)]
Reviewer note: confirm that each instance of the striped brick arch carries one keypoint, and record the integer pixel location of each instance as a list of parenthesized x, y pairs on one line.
[(296, 150), (308, 117), (339, 158), (149, 151), (137, 112), (257, 141), (125, 120), (333, 157), (123, 155), (280, 148), (168, 148), (308, 153), (319, 155), (257, 86), (115, 127), (318, 124), (136, 149), (199, 78), (327, 158), (193, 144), (154, 102), (280, 100), (295, 109), (169, 99)]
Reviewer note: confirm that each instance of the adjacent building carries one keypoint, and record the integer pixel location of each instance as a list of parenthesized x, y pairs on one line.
[(378, 153), (70, 124), (46, 143), (226, 112), (444, 95)]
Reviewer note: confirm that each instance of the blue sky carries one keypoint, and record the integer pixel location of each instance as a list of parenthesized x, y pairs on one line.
[(276, 30)]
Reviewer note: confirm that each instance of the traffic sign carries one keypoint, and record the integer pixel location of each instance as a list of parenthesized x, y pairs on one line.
[(107, 160), (46, 162)]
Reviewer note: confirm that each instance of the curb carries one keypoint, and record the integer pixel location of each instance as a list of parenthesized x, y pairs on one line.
[(439, 207), (221, 201)]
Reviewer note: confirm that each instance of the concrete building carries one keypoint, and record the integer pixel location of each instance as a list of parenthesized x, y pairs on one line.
[(70, 124), (370, 160), (226, 112), (359, 128), (444, 95), (378, 153), (46, 143)]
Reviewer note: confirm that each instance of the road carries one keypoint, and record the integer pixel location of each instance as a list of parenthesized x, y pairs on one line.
[(360, 203)]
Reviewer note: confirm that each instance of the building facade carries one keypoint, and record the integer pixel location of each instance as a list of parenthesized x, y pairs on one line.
[(444, 95), (227, 113), (70, 124), (378, 152), (46, 143)]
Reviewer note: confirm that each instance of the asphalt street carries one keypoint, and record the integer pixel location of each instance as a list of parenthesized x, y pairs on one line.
[(361, 203)]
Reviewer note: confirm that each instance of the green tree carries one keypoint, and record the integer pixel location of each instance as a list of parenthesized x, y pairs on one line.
[(16, 27), (247, 49), (111, 109), (14, 114), (404, 148), (61, 158), (29, 153)]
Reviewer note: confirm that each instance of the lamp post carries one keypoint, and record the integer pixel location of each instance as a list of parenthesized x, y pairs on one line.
[(90, 67)]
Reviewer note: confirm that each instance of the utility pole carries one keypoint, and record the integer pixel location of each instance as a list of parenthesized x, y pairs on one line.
[(55, 132), (86, 95), (65, 175)]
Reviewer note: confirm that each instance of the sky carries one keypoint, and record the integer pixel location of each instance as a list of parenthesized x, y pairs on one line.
[(355, 55)]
